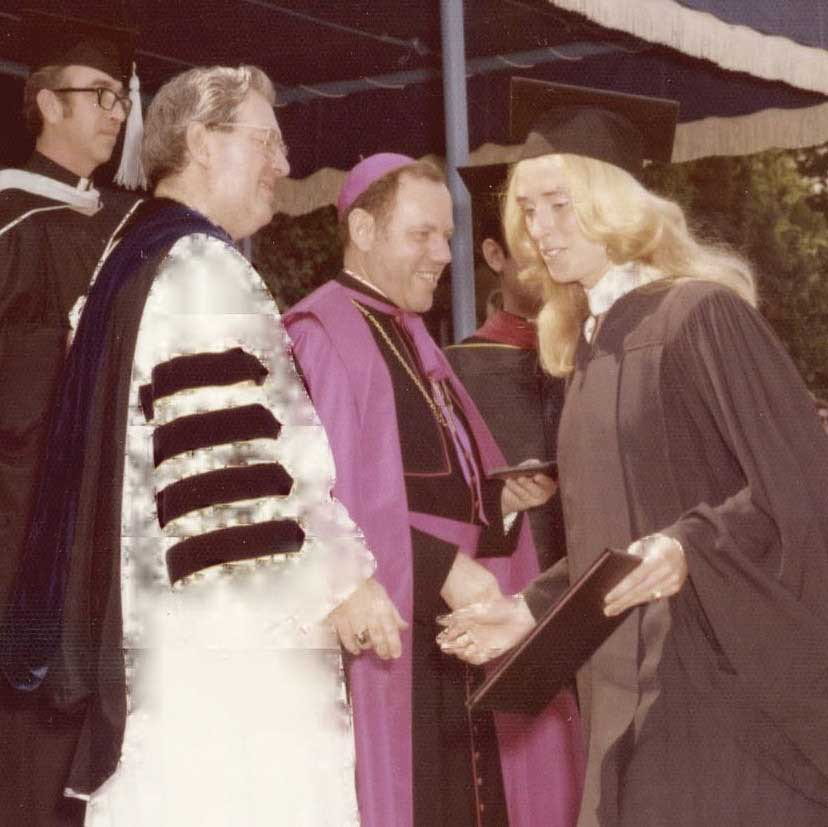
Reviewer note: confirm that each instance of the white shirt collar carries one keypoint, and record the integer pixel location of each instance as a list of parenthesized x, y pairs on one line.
[(615, 284), (86, 200)]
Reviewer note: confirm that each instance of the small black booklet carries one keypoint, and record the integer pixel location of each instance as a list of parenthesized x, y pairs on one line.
[(528, 677)]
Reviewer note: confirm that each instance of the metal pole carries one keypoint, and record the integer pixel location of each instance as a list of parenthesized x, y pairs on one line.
[(457, 154)]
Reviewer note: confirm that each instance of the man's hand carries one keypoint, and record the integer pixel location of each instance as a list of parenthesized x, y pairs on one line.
[(522, 493), (483, 631), (369, 620), (468, 582), (661, 573)]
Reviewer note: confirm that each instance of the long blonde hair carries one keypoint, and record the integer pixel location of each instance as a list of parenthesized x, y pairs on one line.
[(634, 225)]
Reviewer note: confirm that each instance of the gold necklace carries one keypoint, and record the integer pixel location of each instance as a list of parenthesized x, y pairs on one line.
[(435, 410), (372, 287), (438, 414)]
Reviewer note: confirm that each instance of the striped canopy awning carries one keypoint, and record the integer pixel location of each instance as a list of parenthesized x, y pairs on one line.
[(365, 76)]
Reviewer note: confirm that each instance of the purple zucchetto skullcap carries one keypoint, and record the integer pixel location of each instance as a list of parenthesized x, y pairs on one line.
[(364, 174)]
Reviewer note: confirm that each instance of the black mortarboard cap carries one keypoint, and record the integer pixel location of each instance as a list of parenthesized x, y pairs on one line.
[(485, 184), (624, 130), (58, 40)]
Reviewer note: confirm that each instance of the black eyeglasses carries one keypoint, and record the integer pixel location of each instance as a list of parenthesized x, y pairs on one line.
[(107, 98)]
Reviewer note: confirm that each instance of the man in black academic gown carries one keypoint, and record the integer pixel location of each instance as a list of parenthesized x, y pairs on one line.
[(499, 365), (53, 229)]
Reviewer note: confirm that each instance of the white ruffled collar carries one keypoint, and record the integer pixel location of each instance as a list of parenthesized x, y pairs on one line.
[(619, 280)]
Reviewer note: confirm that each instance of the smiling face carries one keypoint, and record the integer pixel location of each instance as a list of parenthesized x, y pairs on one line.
[(408, 249), (244, 167), (543, 195), (77, 129)]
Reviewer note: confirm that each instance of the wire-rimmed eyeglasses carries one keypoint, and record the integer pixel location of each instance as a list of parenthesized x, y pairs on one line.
[(107, 98), (272, 143)]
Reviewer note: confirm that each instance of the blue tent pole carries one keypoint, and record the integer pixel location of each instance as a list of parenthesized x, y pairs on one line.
[(457, 154)]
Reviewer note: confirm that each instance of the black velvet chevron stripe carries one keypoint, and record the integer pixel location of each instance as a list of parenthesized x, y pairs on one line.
[(189, 433), (200, 370), (233, 544), (224, 486)]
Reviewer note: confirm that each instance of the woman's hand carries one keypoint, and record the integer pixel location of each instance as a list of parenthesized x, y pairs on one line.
[(661, 573), (483, 631)]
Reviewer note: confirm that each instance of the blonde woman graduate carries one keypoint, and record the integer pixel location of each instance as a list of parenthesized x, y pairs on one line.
[(688, 439)]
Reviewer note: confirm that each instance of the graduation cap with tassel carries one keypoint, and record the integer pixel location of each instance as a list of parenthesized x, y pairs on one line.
[(59, 40)]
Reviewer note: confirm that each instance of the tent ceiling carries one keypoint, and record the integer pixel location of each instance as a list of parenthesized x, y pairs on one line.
[(303, 42), (364, 75)]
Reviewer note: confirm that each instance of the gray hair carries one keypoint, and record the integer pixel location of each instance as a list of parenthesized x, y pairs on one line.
[(206, 95)]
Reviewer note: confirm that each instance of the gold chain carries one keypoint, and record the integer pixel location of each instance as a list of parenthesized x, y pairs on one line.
[(438, 414)]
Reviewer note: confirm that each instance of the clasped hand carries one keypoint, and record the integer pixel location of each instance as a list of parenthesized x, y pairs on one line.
[(368, 619), (468, 582), (485, 630), (523, 493)]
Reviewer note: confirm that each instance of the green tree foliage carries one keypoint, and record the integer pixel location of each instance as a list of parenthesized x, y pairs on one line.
[(297, 255), (769, 208), (813, 164)]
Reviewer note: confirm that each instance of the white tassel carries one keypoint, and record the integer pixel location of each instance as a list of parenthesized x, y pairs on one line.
[(130, 171)]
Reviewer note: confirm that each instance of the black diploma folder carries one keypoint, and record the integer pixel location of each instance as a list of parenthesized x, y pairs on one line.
[(564, 638)]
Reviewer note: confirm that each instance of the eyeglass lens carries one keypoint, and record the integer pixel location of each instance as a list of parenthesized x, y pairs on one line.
[(107, 100)]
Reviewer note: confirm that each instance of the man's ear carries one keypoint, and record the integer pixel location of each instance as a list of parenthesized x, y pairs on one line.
[(198, 144), (50, 106), (362, 228), (493, 254)]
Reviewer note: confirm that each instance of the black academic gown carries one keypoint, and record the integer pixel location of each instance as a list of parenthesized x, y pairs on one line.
[(522, 406), (46, 262), (685, 416)]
